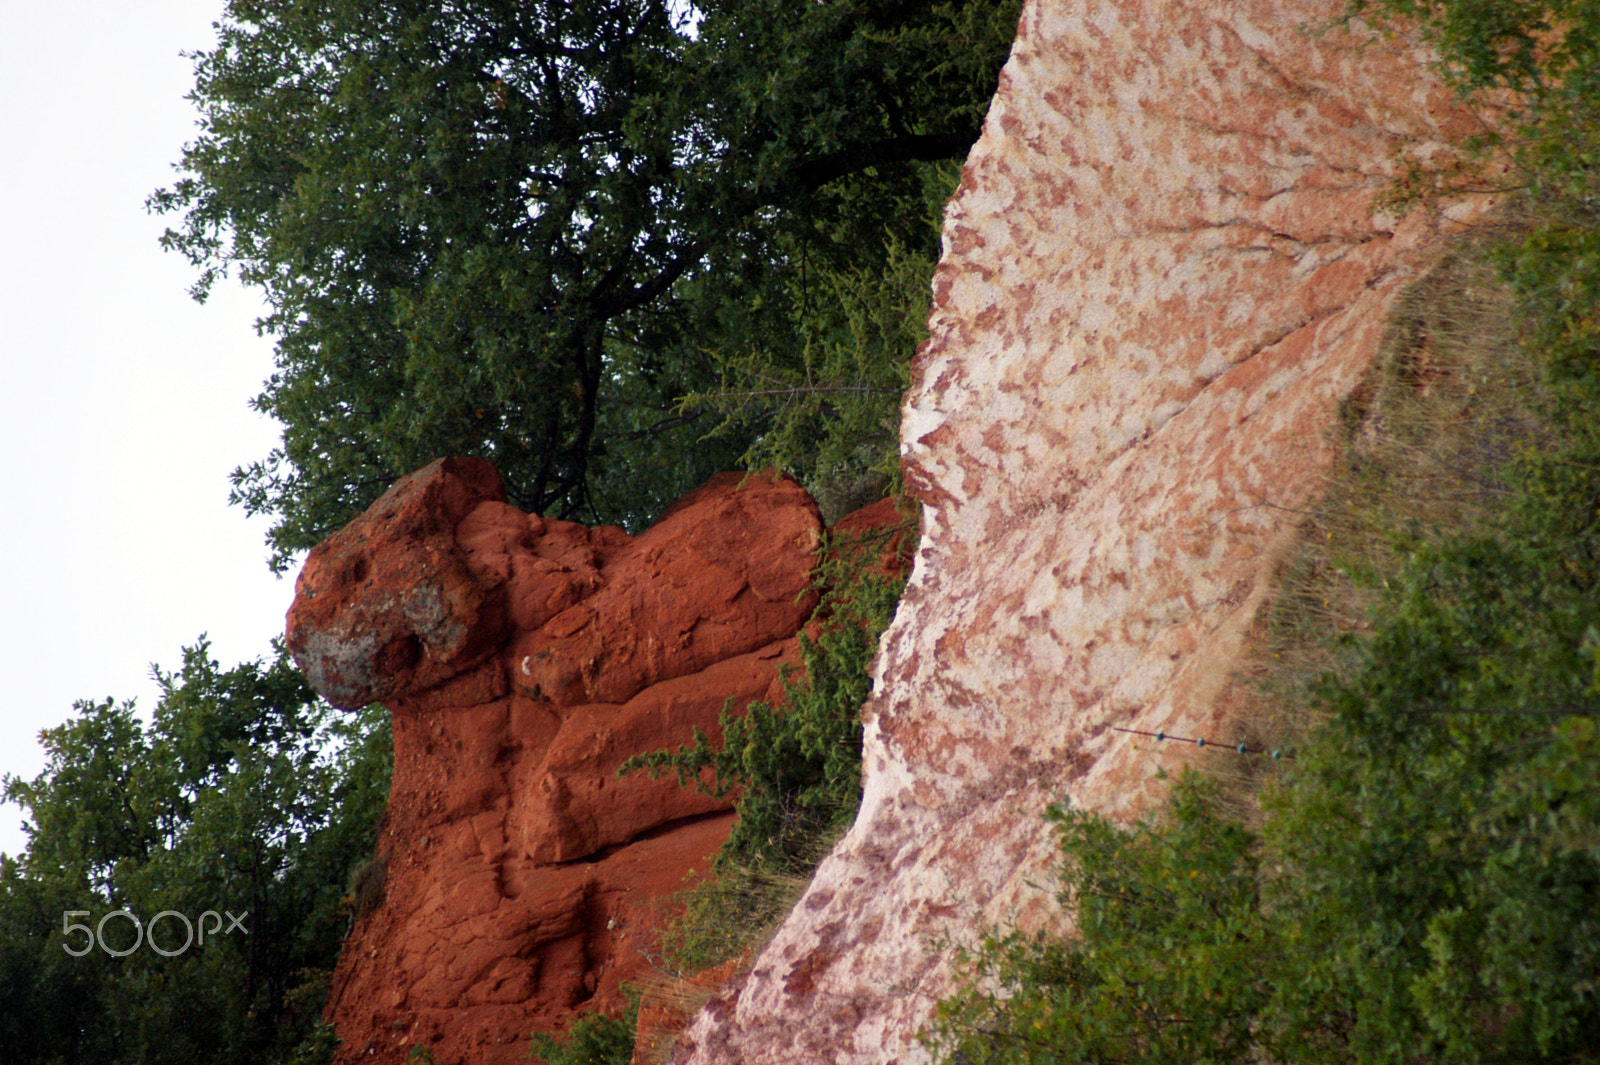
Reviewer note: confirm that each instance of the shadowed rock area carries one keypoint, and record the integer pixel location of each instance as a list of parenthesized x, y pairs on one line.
[(524, 660)]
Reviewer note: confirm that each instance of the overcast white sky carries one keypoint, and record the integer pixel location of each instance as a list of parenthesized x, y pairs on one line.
[(123, 404)]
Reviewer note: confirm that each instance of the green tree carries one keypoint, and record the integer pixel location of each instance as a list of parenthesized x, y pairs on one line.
[(822, 361), (244, 794), (520, 230)]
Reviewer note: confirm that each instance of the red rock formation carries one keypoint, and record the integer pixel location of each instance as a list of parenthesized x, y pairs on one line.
[(388, 605), (524, 660), (1167, 263)]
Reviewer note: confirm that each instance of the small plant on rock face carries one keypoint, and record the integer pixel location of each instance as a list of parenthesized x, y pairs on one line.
[(594, 1039), (797, 765), (366, 887), (317, 1048)]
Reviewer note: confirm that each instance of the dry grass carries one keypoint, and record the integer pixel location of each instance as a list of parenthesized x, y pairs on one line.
[(1451, 399), (731, 916), (725, 922), (668, 1003)]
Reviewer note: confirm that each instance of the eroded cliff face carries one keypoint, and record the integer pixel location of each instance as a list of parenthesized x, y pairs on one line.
[(1165, 267), (524, 660)]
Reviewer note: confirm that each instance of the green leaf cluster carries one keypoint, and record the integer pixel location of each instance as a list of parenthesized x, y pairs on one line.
[(243, 792), (1167, 967), (1391, 911), (594, 1039), (824, 372), (527, 230)]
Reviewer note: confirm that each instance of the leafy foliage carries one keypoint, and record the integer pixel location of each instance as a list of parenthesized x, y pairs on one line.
[(595, 1039), (797, 766), (1167, 968), (1419, 916), (523, 230), (245, 794), (826, 376), (1547, 54)]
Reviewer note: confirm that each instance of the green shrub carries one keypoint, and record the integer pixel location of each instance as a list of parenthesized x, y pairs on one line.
[(1429, 901), (594, 1039), (1167, 965)]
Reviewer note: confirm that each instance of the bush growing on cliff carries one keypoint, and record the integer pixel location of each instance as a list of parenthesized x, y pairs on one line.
[(1396, 912), (595, 1039), (1167, 963), (244, 794), (797, 765)]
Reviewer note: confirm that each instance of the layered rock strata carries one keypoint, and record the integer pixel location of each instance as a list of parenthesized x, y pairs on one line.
[(1168, 262), (524, 660)]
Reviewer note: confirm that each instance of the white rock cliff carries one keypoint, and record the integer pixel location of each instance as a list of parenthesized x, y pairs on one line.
[(1166, 265)]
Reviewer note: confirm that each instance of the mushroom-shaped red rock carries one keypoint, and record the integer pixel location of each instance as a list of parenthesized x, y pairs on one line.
[(389, 605)]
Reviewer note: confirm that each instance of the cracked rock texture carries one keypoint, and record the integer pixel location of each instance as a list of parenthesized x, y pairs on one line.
[(524, 660), (1166, 265)]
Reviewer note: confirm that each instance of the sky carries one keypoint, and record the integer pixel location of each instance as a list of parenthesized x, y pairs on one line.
[(123, 403)]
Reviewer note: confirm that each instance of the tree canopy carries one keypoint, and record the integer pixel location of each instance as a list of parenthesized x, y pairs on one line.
[(525, 230)]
